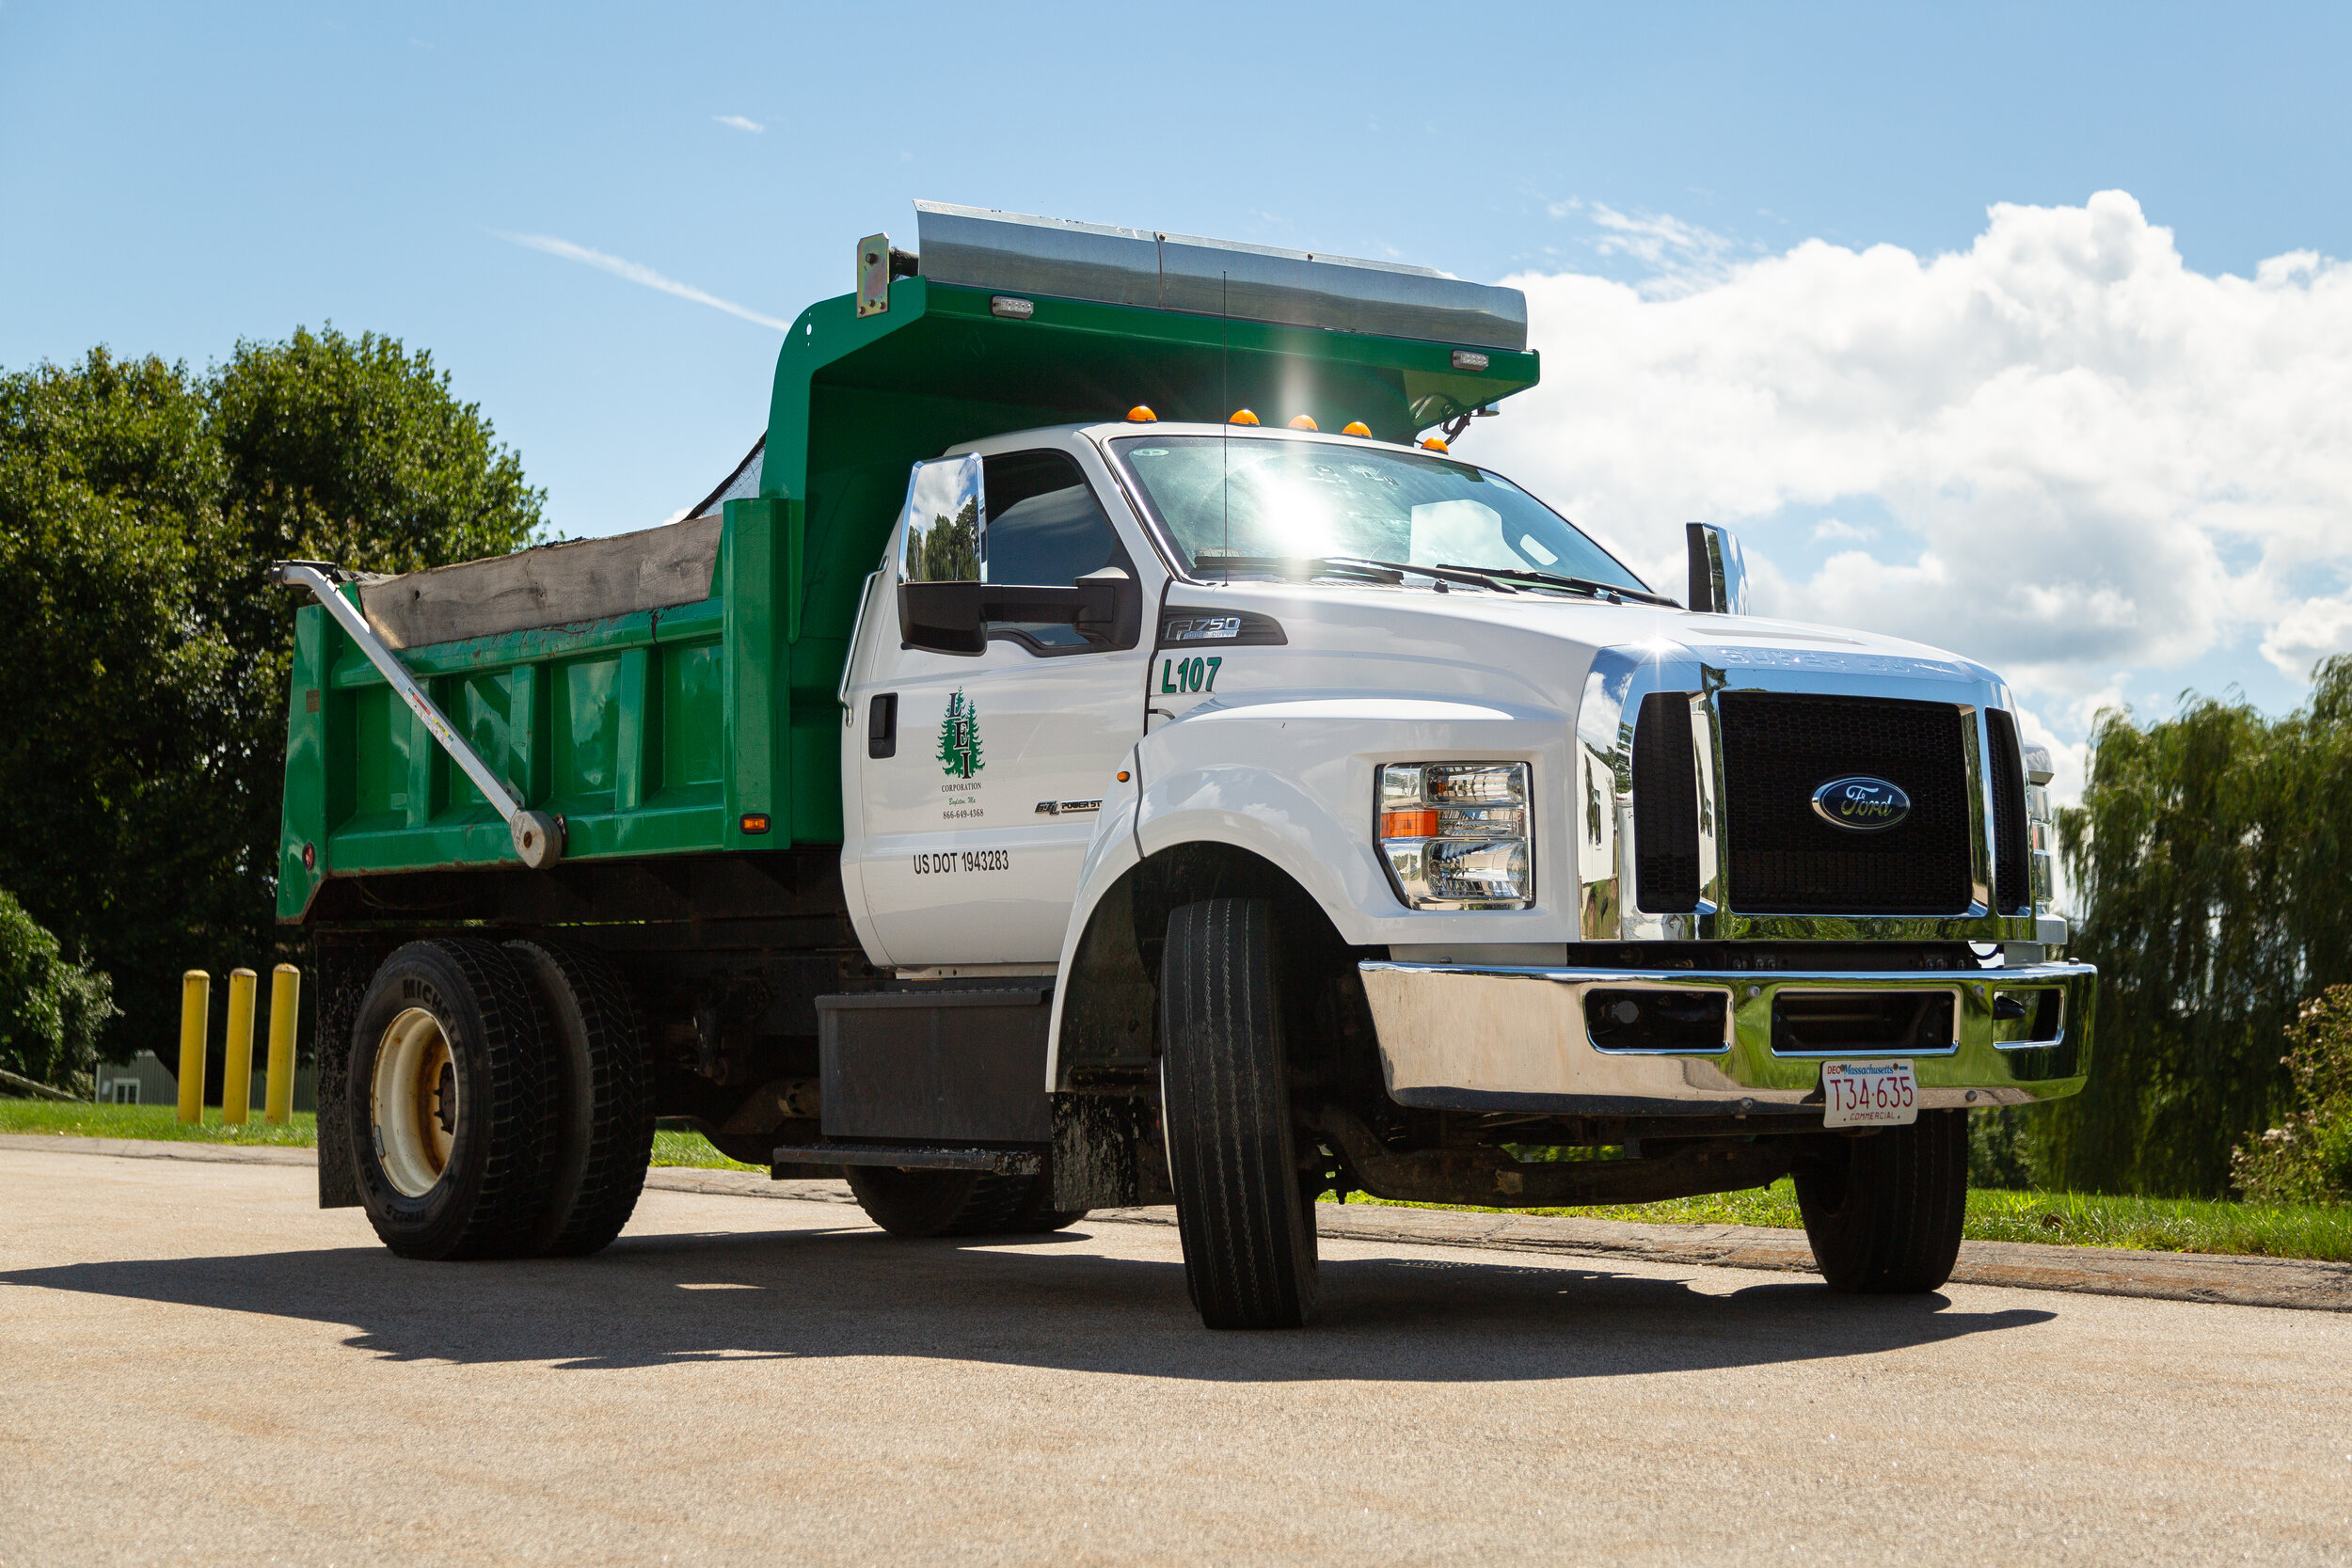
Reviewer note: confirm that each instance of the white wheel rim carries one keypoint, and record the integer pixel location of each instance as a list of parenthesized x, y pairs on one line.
[(413, 1072)]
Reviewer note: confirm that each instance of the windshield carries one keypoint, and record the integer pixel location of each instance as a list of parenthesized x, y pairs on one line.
[(1253, 502)]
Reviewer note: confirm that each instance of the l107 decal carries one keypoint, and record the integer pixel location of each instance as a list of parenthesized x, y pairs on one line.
[(1178, 675)]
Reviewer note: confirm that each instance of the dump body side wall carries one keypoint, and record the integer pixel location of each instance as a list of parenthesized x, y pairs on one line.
[(619, 726)]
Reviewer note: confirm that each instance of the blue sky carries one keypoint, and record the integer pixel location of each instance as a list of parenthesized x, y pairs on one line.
[(174, 179)]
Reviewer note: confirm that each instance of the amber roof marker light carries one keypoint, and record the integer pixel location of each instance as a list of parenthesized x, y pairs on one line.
[(1436, 443), (1356, 427), (1243, 416), (1141, 414), (1304, 421)]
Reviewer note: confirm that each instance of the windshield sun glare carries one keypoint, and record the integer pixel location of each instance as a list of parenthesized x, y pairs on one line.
[(1258, 500)]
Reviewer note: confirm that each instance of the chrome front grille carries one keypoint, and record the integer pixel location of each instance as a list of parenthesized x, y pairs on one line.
[(1693, 806), (1781, 858)]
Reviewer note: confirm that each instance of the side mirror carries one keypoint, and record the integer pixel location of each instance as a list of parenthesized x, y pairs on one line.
[(946, 516), (1719, 573)]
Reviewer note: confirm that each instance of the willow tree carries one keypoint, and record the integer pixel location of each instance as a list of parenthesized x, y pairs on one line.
[(2212, 869)]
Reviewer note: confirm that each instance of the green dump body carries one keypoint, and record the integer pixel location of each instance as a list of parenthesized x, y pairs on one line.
[(682, 730)]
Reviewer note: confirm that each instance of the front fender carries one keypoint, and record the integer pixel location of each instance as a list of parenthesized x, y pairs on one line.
[(1292, 781)]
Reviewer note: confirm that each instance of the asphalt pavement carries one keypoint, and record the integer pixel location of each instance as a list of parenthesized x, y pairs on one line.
[(198, 1366)]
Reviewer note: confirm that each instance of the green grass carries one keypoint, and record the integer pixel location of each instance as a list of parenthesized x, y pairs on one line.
[(77, 1120), (679, 1147), (162, 1122), (2065, 1219)]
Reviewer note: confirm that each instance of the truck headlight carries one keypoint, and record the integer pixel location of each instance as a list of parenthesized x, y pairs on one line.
[(2041, 826), (1454, 835)]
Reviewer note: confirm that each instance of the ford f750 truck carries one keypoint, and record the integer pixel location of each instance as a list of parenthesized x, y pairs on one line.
[(1109, 751)]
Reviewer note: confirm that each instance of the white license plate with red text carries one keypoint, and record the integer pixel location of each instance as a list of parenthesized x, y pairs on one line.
[(1868, 1093)]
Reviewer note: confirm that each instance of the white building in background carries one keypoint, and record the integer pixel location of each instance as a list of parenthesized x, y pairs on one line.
[(147, 1080)]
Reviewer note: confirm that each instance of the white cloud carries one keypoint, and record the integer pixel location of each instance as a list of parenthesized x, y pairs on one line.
[(740, 122), (2308, 632), (1680, 255), (2082, 456), (637, 274)]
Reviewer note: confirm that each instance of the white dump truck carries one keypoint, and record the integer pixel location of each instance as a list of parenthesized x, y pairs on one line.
[(1105, 749)]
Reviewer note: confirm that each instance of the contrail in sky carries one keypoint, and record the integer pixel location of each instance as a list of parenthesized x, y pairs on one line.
[(637, 274)]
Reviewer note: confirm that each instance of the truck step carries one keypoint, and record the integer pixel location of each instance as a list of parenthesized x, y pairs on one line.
[(1004, 1161)]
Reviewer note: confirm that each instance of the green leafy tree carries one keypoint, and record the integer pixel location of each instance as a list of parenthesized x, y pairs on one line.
[(2308, 1158), (52, 1009), (147, 661), (2210, 857)]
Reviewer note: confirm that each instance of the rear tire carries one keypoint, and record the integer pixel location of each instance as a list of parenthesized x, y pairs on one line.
[(1035, 1217), (600, 1094), (1885, 1212), (919, 1203), (1247, 1230), (447, 1109)]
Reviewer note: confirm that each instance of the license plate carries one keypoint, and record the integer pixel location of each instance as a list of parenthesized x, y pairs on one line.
[(1868, 1093)]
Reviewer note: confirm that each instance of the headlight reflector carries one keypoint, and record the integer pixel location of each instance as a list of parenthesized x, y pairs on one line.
[(1454, 835)]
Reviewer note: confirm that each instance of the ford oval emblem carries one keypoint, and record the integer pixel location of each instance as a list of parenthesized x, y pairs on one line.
[(1860, 804)]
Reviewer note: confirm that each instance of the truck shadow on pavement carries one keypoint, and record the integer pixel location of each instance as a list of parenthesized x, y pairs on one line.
[(1053, 1301)]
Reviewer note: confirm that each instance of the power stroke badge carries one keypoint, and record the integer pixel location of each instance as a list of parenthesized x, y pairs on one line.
[(1861, 804)]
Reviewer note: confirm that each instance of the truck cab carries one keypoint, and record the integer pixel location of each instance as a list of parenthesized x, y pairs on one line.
[(1214, 791)]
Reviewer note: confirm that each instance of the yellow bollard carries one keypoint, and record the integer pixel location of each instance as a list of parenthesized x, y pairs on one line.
[(285, 999), (196, 997), (236, 1083)]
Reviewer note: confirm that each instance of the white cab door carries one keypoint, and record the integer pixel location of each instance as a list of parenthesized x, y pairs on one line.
[(968, 834)]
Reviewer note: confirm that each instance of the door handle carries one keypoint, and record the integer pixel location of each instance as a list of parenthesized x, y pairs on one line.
[(882, 725)]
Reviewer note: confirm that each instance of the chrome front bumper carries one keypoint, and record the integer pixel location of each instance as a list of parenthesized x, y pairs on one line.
[(1460, 1036)]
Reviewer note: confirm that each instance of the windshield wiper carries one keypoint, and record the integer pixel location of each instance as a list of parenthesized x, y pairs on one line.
[(1578, 585), (1477, 577), (1502, 579), (1313, 566), (1372, 570)]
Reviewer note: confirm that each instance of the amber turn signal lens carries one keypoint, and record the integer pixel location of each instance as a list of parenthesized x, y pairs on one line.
[(1356, 427), (755, 821), (1436, 443), (1304, 421), (1243, 416), (1141, 414), (1408, 824), (1122, 776)]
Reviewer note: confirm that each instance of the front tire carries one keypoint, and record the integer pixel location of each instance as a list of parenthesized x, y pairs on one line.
[(1885, 1212), (1037, 1216), (447, 1109), (1246, 1223)]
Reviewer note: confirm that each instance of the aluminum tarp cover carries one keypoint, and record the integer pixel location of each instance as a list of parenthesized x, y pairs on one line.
[(1017, 253)]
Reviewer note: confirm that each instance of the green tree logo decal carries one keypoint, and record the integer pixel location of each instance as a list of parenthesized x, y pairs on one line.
[(960, 738)]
